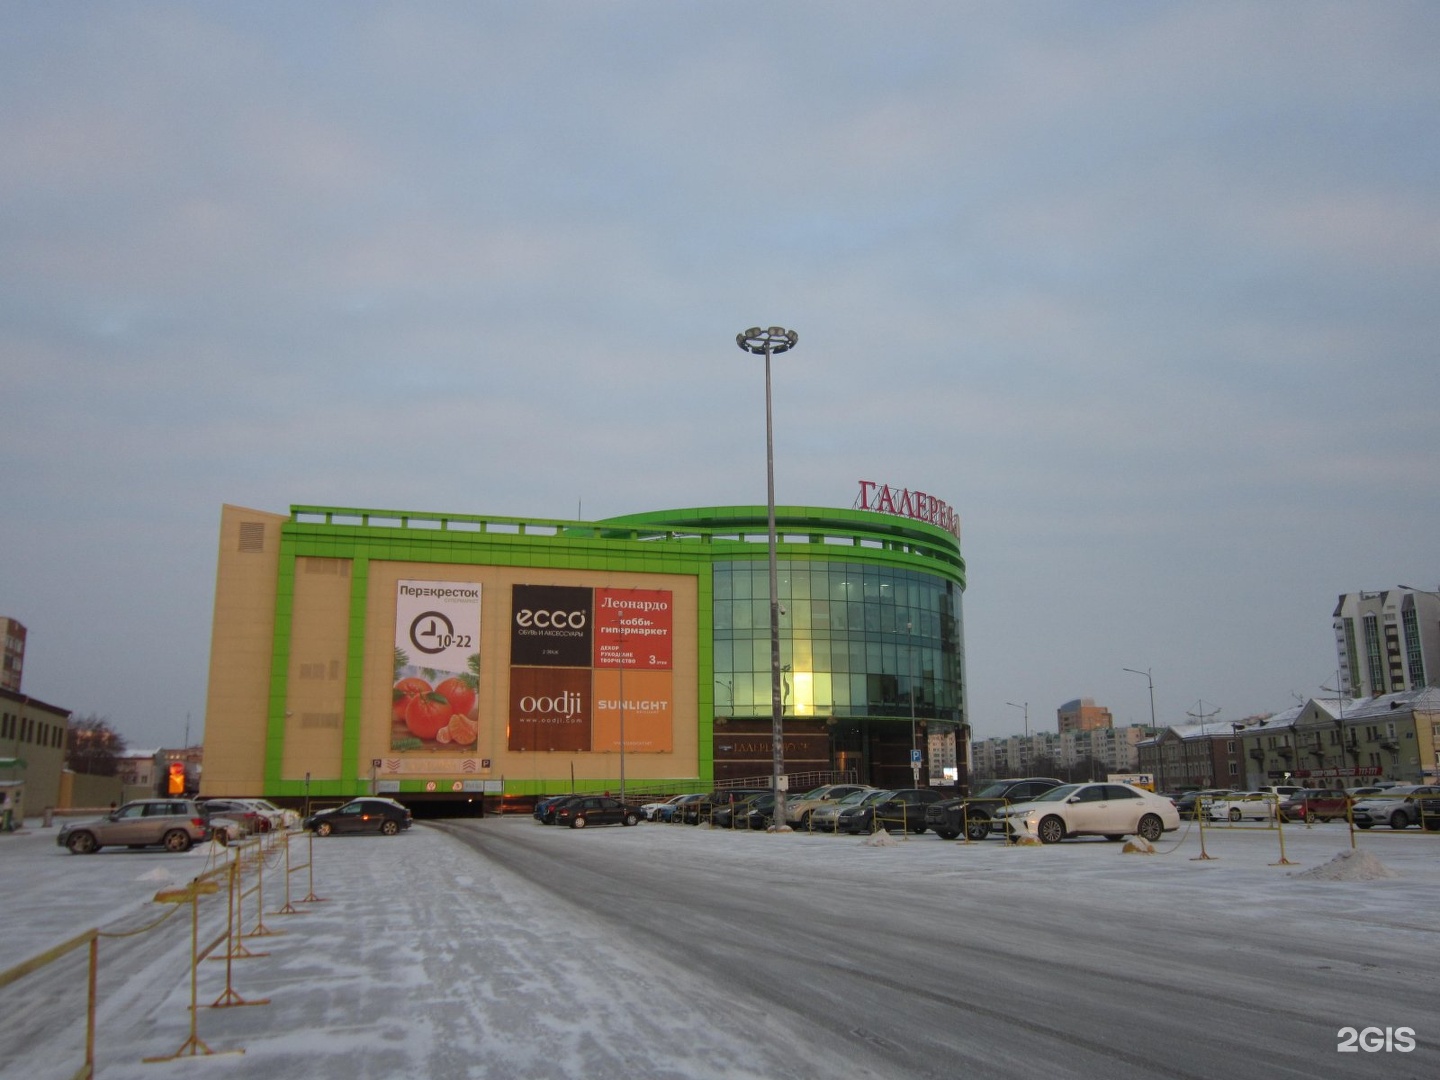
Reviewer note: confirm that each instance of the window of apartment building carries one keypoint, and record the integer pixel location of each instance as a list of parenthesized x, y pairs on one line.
[(1414, 658)]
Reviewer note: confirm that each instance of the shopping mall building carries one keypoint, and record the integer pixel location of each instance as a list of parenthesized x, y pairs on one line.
[(446, 657)]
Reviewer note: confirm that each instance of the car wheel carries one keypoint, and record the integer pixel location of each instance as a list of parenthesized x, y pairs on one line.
[(578, 822), (1398, 820), (946, 834), (323, 829), (1363, 824), (977, 826), (805, 820), (1051, 830), (177, 840), (918, 829), (1234, 813), (82, 843), (1432, 824), (631, 819), (1150, 828), (389, 827)]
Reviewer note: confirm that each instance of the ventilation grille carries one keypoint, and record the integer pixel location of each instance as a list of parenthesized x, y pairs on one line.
[(320, 670), (320, 720), (252, 536)]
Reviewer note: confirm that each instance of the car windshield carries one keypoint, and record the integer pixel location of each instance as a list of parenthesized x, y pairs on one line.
[(854, 798), (1059, 794), (875, 796)]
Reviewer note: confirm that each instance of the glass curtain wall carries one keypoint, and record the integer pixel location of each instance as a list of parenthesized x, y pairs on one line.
[(855, 641)]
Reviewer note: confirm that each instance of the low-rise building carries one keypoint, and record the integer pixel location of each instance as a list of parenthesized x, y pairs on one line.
[(32, 749)]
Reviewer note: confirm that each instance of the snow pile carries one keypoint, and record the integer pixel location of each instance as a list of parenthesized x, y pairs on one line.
[(1350, 865), (879, 839), (1138, 845)]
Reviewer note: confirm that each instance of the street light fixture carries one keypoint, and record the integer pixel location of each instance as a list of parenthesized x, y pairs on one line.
[(772, 341)]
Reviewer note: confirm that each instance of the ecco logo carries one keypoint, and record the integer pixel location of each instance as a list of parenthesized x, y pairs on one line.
[(559, 620), (1371, 1039)]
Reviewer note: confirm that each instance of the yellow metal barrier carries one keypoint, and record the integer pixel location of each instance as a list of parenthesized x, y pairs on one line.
[(87, 940), (190, 894)]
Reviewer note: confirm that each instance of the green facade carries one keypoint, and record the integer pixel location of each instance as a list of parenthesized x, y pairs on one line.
[(722, 548)]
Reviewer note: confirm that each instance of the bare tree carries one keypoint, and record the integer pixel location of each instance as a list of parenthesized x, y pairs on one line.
[(92, 746)]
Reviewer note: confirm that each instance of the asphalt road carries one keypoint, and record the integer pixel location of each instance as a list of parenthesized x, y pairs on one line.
[(970, 971)]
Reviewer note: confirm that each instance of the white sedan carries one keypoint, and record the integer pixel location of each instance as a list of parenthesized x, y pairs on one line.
[(1242, 806), (1110, 810)]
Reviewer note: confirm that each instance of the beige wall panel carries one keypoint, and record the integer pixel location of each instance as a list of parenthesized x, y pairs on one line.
[(241, 641), (315, 705), (495, 602)]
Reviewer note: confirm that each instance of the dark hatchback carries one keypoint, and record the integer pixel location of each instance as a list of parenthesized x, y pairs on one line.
[(370, 815), (701, 810), (755, 812), (971, 816), (903, 808), (586, 810)]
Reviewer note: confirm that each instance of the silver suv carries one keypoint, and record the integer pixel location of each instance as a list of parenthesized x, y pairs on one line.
[(174, 824)]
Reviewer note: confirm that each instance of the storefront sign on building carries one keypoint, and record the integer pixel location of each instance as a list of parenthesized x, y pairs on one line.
[(906, 503)]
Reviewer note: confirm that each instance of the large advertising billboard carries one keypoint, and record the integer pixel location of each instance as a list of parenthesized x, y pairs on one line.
[(591, 669), (434, 696)]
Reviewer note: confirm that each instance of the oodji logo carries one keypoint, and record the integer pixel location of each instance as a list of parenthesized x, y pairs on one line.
[(567, 703)]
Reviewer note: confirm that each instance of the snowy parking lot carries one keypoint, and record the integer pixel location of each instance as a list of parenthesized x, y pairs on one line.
[(502, 948)]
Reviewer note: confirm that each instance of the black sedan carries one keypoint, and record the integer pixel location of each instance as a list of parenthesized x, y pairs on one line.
[(586, 810), (384, 816)]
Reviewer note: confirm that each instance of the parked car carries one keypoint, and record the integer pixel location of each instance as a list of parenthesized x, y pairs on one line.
[(1113, 811), (278, 817), (1398, 807), (650, 809), (670, 812), (1242, 806), (1189, 804), (1429, 808), (825, 817), (799, 807), (175, 824), (248, 817), (894, 809), (971, 815), (544, 811), (1315, 804), (369, 814), (701, 809), (903, 810), (756, 812), (586, 810)]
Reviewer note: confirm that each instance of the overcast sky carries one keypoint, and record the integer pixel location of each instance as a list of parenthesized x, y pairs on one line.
[(1147, 292)]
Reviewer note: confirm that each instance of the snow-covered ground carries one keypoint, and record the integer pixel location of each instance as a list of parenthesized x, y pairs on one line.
[(453, 951)]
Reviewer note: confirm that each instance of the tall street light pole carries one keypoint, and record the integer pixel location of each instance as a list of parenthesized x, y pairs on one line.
[(772, 341), (1151, 681), (1026, 707)]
